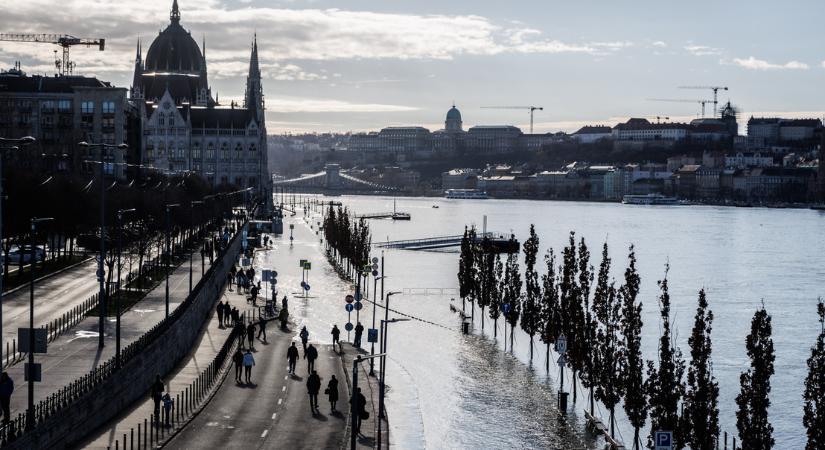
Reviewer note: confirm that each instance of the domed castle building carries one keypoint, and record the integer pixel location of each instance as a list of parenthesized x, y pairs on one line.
[(183, 128)]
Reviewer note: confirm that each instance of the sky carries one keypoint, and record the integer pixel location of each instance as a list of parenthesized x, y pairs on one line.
[(356, 65)]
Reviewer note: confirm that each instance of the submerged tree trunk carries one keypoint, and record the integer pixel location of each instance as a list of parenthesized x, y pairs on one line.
[(547, 359), (575, 391), (495, 328), (531, 347)]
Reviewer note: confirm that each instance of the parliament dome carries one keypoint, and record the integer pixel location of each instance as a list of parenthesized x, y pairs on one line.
[(174, 50)]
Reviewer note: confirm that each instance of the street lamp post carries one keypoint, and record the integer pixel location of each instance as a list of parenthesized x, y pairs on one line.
[(354, 412), (30, 369), (120, 214), (384, 350), (168, 252), (22, 141), (384, 329), (374, 301), (191, 247), (100, 271)]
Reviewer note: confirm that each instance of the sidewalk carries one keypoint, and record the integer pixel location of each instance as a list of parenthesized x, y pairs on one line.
[(369, 387), (209, 344), (74, 354)]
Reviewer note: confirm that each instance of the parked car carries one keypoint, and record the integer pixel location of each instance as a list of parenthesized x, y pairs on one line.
[(25, 252)]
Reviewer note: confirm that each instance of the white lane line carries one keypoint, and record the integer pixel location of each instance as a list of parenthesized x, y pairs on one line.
[(280, 400), (273, 415), (263, 435), (283, 389), (286, 376)]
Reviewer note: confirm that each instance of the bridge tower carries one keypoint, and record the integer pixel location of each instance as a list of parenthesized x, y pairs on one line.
[(333, 178)]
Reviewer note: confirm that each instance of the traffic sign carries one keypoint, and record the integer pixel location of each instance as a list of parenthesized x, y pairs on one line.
[(372, 335), (245, 262), (32, 371), (375, 273), (357, 296), (306, 286), (273, 280), (561, 344), (348, 326), (506, 308), (274, 273), (291, 226), (358, 306), (663, 440), (375, 260), (307, 265), (348, 307), (266, 275), (349, 299), (561, 361), (302, 263), (374, 266), (39, 340)]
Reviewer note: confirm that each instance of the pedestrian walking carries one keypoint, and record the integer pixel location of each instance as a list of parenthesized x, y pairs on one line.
[(237, 358), (311, 354), (248, 362), (6, 389), (284, 302), (227, 311), (313, 386), (229, 278), (262, 330), (332, 392), (219, 309), (254, 292), (236, 316), (167, 409), (360, 409), (359, 330), (157, 395), (336, 335), (304, 337), (241, 331), (292, 357), (250, 334)]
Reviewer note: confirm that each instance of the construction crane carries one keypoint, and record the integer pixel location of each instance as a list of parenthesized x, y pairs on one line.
[(683, 100), (715, 90), (531, 108), (64, 40)]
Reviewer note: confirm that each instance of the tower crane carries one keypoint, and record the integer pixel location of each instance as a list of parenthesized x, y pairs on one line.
[(715, 90), (531, 108), (683, 100), (64, 40)]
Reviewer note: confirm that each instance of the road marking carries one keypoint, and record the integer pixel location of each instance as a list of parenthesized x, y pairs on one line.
[(263, 435), (283, 389), (286, 376), (273, 415), (280, 400)]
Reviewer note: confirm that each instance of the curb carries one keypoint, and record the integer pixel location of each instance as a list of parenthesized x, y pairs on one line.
[(47, 276)]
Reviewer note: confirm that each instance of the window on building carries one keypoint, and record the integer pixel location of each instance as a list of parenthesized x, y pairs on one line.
[(171, 121), (196, 151), (150, 150), (252, 147), (47, 106), (87, 107), (224, 151), (161, 120), (238, 151), (180, 151), (210, 152), (64, 105), (108, 107)]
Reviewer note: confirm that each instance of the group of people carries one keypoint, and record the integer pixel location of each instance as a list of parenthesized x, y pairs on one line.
[(243, 362), (228, 315), (160, 397)]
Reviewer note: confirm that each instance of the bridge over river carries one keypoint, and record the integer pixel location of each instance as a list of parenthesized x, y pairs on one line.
[(333, 179)]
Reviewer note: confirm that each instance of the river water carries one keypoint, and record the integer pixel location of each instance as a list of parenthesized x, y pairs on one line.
[(448, 390)]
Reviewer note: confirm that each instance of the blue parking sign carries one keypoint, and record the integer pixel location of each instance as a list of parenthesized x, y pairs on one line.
[(663, 440)]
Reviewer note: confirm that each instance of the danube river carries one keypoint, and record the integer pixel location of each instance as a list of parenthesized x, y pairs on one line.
[(454, 391)]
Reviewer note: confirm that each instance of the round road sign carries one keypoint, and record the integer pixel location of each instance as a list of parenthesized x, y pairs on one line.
[(348, 307), (349, 299), (358, 306), (348, 326), (375, 260), (375, 273), (306, 286)]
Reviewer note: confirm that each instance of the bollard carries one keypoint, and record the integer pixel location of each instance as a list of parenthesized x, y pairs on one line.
[(117, 444), (124, 441), (132, 439)]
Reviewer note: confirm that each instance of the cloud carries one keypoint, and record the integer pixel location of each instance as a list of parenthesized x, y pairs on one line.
[(752, 63), (659, 44), (306, 105), (702, 50)]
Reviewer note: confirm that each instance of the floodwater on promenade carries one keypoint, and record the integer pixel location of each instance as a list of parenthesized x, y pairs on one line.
[(454, 391)]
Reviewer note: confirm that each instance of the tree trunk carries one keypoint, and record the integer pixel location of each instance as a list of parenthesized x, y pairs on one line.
[(531, 347), (636, 438), (612, 422), (512, 328), (592, 401), (482, 319), (547, 359), (575, 391), (495, 328)]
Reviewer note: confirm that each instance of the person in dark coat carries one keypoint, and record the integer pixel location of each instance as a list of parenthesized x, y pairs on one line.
[(237, 358), (359, 330), (236, 316), (229, 278), (241, 330), (157, 395), (219, 310), (6, 389), (250, 334), (332, 392), (336, 335), (292, 357), (313, 386), (311, 355), (304, 337), (360, 409), (262, 330)]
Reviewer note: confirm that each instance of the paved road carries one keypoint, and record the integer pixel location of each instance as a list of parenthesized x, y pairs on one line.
[(75, 353)]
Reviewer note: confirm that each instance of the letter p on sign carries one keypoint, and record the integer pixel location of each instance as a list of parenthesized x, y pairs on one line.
[(664, 440)]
